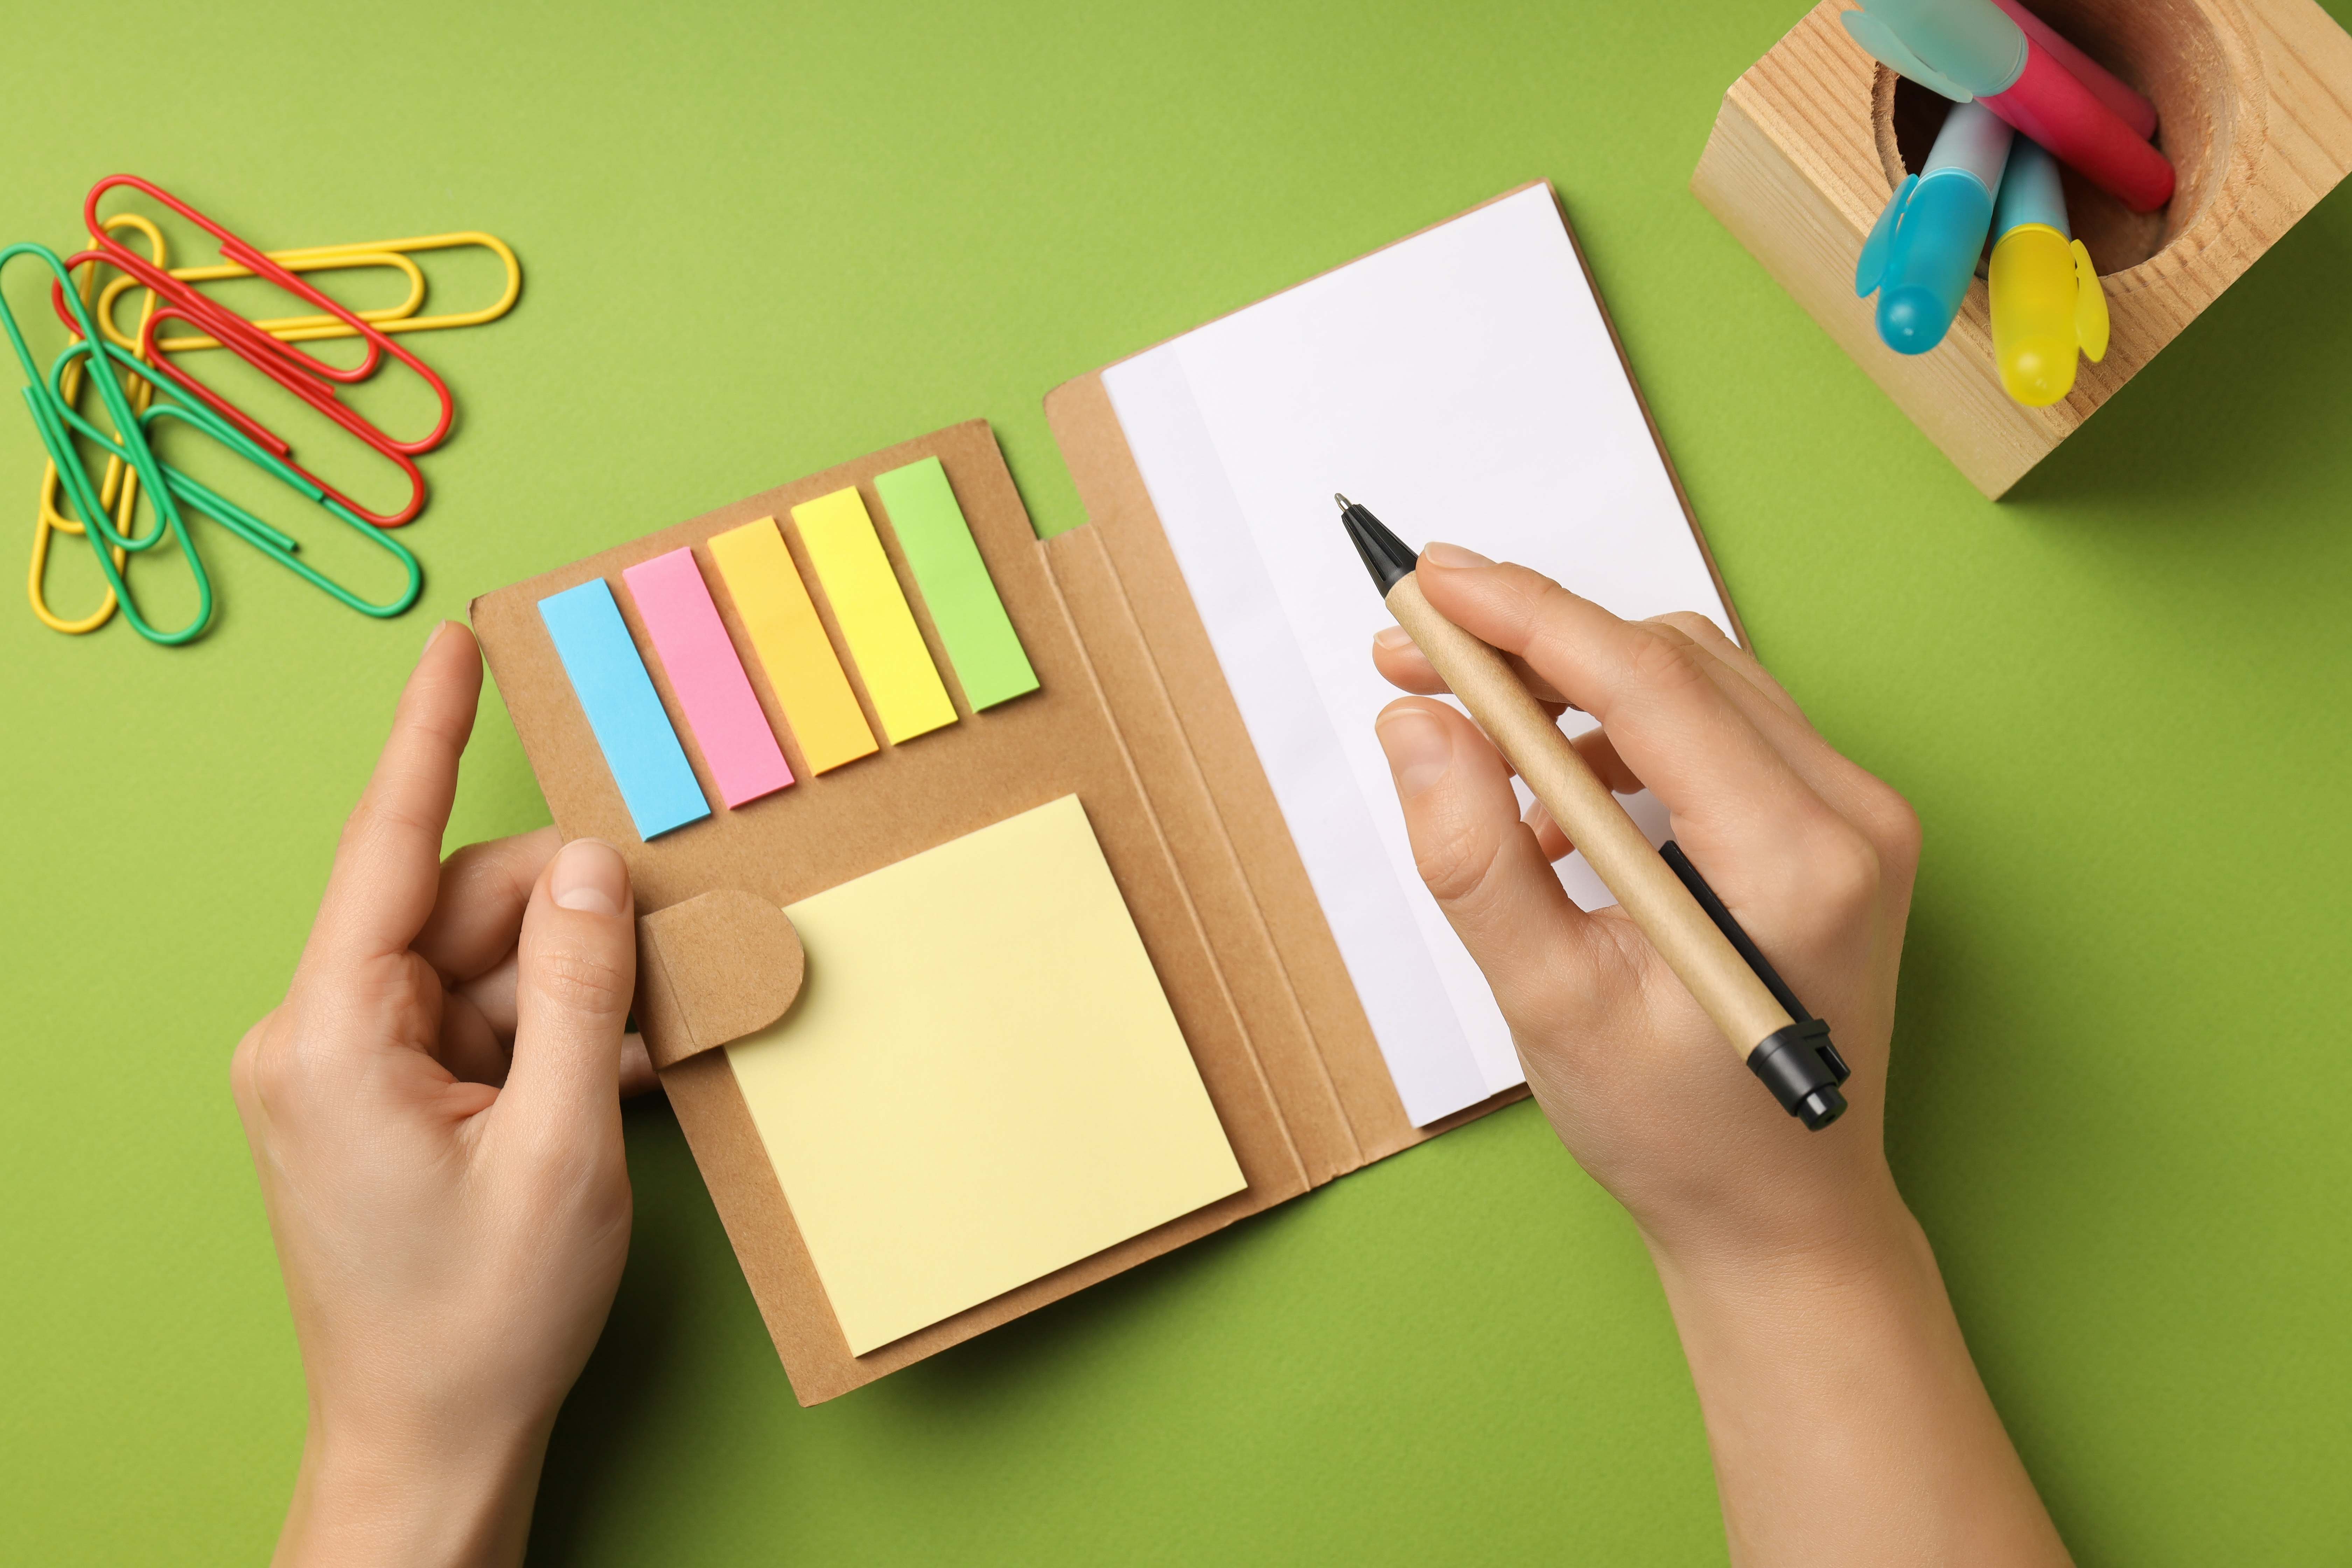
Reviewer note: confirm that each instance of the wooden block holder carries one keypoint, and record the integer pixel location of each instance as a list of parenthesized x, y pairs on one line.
[(2255, 106)]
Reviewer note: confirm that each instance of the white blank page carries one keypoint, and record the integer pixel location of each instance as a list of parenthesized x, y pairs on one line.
[(1464, 385)]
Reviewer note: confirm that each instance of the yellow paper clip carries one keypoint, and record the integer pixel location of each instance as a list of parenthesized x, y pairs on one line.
[(120, 489), (393, 253)]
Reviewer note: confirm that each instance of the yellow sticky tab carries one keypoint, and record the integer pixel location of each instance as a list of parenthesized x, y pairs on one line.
[(884, 641), (2091, 323), (982, 1081), (790, 642)]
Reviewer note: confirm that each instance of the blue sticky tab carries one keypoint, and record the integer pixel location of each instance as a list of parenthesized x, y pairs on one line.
[(657, 782)]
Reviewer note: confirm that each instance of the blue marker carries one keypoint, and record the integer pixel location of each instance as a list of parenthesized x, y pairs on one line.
[(1920, 257)]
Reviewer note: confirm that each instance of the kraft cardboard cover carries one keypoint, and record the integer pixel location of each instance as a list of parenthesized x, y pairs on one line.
[(829, 828)]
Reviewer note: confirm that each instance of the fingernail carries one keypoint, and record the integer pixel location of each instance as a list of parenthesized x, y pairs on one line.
[(589, 875), (1418, 748), (1392, 638), (433, 637), (1452, 555)]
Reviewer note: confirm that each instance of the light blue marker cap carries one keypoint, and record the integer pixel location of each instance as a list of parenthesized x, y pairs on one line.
[(1879, 42), (1939, 221), (2029, 191), (1974, 42)]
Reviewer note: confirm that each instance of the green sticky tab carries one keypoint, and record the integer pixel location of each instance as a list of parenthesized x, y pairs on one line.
[(971, 618)]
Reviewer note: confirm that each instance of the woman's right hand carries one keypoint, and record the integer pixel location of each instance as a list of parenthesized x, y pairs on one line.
[(1812, 855), (1846, 1420)]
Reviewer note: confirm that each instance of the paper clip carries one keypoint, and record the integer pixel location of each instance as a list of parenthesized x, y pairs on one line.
[(267, 352), (262, 436), (311, 379), (285, 329), (389, 319), (120, 489), (279, 546), (298, 372), (50, 419)]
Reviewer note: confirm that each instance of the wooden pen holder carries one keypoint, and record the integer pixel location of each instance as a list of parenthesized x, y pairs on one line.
[(2254, 105)]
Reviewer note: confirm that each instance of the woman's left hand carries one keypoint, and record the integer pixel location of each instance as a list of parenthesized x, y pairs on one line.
[(435, 1115)]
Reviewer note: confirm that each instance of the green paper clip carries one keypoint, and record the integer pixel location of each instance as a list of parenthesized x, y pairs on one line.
[(51, 418), (272, 542)]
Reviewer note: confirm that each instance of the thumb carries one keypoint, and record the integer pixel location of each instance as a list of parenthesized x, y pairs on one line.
[(575, 973)]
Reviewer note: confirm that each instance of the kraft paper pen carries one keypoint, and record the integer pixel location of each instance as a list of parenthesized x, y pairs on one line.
[(1783, 1045)]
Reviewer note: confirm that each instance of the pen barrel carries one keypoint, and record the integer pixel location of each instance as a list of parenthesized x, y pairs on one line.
[(2130, 106), (2049, 105), (1646, 887)]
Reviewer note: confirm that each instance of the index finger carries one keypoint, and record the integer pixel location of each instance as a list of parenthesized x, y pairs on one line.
[(1677, 731), (388, 863)]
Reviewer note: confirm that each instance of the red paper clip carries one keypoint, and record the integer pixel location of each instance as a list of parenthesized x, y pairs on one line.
[(307, 377), (151, 349), (261, 349)]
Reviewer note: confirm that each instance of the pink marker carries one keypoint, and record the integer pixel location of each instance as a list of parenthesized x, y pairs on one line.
[(736, 744), (2110, 89), (1977, 46)]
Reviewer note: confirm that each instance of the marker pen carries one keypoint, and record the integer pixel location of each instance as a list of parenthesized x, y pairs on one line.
[(1976, 45), (2130, 107), (1920, 256), (2046, 299)]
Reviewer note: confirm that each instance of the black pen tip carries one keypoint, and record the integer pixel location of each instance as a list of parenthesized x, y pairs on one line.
[(1388, 558), (1344, 502)]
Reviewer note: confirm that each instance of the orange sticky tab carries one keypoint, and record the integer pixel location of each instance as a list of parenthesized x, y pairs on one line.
[(791, 643)]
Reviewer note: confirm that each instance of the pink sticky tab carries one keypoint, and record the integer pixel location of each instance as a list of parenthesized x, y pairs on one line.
[(708, 679)]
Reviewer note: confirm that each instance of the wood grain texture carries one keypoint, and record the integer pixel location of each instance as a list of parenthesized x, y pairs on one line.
[(1646, 887), (2255, 100)]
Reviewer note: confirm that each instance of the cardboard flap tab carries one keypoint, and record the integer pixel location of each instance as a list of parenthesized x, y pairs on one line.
[(712, 969)]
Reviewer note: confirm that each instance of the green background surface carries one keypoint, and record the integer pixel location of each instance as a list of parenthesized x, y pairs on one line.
[(763, 240)]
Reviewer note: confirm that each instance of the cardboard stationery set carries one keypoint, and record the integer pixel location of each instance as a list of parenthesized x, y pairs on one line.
[(1131, 714)]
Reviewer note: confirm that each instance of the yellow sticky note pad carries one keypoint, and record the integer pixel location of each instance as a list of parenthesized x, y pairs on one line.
[(793, 651), (981, 1081), (871, 610)]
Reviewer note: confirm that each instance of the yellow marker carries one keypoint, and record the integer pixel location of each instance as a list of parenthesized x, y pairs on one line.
[(2047, 304), (884, 641), (826, 722)]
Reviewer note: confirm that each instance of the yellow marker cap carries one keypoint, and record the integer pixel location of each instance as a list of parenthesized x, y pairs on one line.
[(2090, 307), (2035, 301)]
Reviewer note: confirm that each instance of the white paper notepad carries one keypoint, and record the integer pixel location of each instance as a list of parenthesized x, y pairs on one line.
[(1463, 385)]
